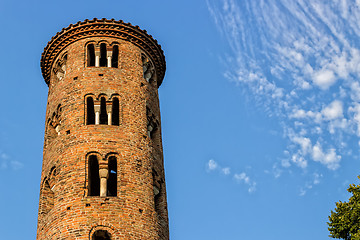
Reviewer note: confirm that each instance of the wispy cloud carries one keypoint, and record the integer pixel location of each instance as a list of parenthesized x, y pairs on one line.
[(316, 179), (241, 178), (6, 162), (300, 61)]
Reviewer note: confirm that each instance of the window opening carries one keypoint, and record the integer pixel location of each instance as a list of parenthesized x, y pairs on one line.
[(47, 198), (103, 59), (152, 124), (115, 57), (112, 181), (157, 189), (101, 235), (115, 112), (103, 114), (91, 55), (94, 179), (148, 69), (90, 111)]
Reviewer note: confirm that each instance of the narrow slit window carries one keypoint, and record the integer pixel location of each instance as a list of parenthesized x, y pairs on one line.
[(115, 57), (94, 179), (103, 114), (103, 60), (115, 112), (90, 112), (112, 180), (90, 55)]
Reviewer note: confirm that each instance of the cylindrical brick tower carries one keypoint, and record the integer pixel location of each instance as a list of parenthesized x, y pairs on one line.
[(103, 173)]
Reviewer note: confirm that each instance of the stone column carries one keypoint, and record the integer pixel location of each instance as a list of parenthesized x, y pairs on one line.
[(104, 174), (109, 57), (97, 114), (97, 56), (109, 113), (149, 129)]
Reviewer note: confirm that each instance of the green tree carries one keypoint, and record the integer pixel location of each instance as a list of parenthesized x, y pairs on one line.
[(344, 222)]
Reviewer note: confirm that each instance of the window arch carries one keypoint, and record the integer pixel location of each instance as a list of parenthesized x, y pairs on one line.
[(115, 112), (148, 68), (47, 197), (94, 178), (152, 124), (115, 57), (60, 67), (101, 235), (103, 59), (112, 180), (90, 55), (103, 112), (90, 111)]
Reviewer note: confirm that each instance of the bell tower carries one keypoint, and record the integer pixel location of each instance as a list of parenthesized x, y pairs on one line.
[(103, 173)]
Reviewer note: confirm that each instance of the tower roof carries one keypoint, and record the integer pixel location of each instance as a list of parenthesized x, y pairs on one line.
[(103, 28)]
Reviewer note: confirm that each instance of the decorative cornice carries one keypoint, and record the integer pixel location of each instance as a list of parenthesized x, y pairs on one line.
[(103, 28)]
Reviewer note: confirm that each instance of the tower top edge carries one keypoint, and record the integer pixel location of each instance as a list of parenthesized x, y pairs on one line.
[(102, 28)]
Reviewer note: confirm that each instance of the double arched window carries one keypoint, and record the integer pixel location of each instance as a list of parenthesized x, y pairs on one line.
[(102, 55), (102, 111)]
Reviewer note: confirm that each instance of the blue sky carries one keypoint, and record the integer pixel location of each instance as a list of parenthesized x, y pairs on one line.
[(260, 111)]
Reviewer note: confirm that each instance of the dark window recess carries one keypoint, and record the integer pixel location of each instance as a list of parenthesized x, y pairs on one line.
[(103, 60), (101, 235), (94, 179), (47, 198), (90, 112), (90, 55), (115, 57), (103, 114), (115, 112), (112, 180)]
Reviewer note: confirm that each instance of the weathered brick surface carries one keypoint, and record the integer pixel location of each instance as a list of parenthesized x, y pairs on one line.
[(65, 209)]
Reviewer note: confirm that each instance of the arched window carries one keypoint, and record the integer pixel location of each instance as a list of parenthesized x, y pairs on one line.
[(47, 198), (148, 68), (115, 112), (103, 113), (90, 112), (152, 123), (101, 235), (112, 180), (90, 55), (94, 179), (103, 59), (157, 191), (115, 57)]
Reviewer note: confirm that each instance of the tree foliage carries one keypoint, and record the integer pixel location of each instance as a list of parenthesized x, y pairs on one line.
[(344, 222)]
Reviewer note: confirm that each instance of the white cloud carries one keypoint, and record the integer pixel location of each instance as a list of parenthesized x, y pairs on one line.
[(324, 78), (308, 78), (330, 159), (225, 171), (211, 165), (244, 178), (333, 111)]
